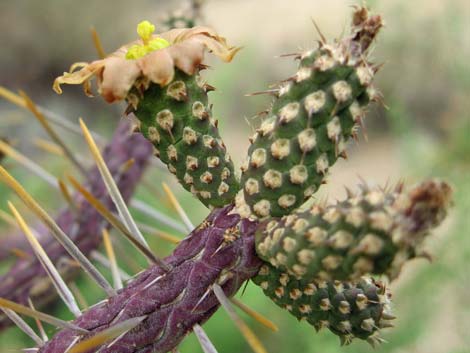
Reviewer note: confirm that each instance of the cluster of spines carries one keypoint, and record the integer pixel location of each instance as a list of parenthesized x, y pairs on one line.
[(349, 310), (26, 280), (315, 113), (372, 232), (177, 119)]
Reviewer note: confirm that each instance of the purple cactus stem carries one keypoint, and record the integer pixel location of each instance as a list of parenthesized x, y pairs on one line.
[(221, 250), (26, 278)]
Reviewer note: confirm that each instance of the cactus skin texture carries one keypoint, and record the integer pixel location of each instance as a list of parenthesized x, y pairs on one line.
[(220, 250), (27, 278), (177, 120), (312, 118), (349, 310), (373, 232)]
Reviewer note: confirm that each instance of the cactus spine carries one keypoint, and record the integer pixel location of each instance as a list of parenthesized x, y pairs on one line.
[(314, 114), (27, 278)]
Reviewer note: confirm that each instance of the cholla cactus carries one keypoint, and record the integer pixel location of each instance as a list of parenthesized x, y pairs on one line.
[(314, 261)]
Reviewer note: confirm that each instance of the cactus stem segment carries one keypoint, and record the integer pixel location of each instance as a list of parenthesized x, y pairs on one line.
[(375, 231)]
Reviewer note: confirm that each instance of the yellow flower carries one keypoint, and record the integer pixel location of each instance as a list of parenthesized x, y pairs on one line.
[(152, 58)]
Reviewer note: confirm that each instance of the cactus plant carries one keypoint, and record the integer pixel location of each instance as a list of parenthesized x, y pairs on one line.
[(317, 262)]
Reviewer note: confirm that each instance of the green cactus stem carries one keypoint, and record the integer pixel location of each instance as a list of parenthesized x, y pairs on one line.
[(373, 232), (177, 119), (348, 310), (313, 116)]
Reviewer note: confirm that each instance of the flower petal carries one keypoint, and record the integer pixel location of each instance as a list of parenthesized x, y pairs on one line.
[(212, 41), (82, 76), (158, 66), (187, 55), (117, 78)]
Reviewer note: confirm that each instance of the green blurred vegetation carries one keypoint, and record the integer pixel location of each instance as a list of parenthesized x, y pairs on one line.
[(426, 84)]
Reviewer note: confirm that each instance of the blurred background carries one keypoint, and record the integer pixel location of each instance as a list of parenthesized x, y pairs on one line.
[(424, 131)]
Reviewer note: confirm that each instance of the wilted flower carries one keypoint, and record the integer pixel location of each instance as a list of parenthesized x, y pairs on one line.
[(152, 58)]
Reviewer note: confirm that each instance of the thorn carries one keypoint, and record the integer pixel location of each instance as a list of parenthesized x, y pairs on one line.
[(376, 68), (206, 293), (297, 55), (425, 255), (349, 193), (129, 110), (31, 106), (42, 332), (56, 231), (62, 289), (244, 288), (68, 198), (363, 128), (21, 309), (103, 260), (272, 92), (385, 324), (23, 326), (250, 337), (157, 215), (49, 147), (202, 67), (97, 42), (115, 222), (7, 218), (20, 254), (114, 192), (51, 116), (334, 110), (317, 28), (386, 316), (204, 340), (135, 128), (178, 208), (355, 136), (400, 186), (170, 238), (112, 260), (124, 168), (255, 315), (80, 298), (28, 163), (208, 88), (106, 335)]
